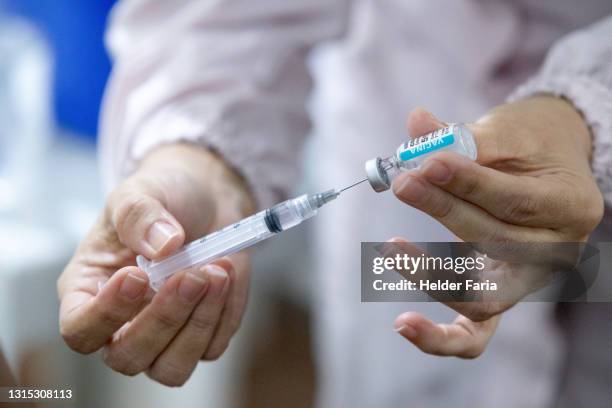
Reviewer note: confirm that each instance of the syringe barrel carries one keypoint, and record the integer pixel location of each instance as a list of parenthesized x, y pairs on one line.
[(410, 155), (230, 239), (290, 213)]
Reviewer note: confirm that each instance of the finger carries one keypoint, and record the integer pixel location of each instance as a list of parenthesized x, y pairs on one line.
[(175, 365), (421, 122), (87, 320), (510, 198), (234, 307), (463, 338), (517, 199), (143, 224), (466, 220), (513, 280), (134, 348)]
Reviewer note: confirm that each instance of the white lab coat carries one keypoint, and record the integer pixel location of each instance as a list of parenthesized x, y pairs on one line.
[(234, 75)]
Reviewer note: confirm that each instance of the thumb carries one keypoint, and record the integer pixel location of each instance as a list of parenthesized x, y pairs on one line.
[(143, 224), (421, 122)]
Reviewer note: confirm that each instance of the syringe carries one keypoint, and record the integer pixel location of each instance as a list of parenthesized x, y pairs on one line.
[(237, 236), (288, 214)]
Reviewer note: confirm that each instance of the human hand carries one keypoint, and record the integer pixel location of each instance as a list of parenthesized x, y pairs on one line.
[(178, 194), (532, 183)]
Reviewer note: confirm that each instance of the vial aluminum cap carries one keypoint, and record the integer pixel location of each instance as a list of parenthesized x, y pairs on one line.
[(377, 176)]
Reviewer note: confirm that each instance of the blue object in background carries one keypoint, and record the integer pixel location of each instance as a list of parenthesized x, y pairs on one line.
[(74, 30)]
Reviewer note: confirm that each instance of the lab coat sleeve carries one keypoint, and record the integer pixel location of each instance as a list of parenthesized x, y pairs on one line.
[(579, 68), (229, 75)]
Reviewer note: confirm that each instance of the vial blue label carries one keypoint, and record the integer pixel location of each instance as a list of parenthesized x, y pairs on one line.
[(426, 144)]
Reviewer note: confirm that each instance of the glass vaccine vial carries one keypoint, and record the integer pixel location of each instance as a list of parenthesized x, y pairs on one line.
[(411, 154)]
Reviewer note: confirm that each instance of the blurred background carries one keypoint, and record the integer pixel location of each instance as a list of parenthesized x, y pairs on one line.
[(53, 69)]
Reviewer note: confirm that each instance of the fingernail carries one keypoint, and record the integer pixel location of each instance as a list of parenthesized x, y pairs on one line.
[(133, 286), (436, 172), (159, 234), (192, 285), (411, 189), (219, 279), (407, 331)]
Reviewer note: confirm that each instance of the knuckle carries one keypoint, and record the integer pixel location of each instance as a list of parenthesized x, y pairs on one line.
[(216, 351), (469, 186), (592, 206), (203, 323), (433, 349), (596, 213), (168, 320), (169, 374), (109, 315), (130, 210), (521, 208), (479, 312), (582, 211), (564, 201), (122, 362), (471, 352), (234, 325), (504, 239), (441, 208), (77, 341)]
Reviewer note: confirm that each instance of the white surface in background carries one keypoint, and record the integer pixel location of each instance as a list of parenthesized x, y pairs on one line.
[(36, 242), (25, 109)]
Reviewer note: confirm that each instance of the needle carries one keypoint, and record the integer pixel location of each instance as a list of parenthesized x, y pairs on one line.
[(353, 185)]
